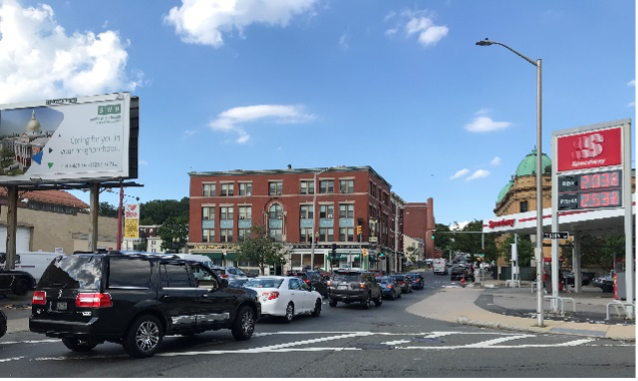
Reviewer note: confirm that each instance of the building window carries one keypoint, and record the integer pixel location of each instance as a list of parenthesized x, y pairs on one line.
[(208, 189), (208, 213), (243, 234), (225, 235), (523, 206), (226, 213), (275, 188), (245, 212), (326, 211), (326, 234), (208, 235), (326, 186), (346, 186), (227, 189), (306, 211), (245, 189), (346, 234), (346, 210), (275, 212), (307, 187), (305, 235)]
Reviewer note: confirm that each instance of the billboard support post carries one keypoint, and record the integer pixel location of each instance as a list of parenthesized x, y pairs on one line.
[(93, 216), (119, 218), (12, 222)]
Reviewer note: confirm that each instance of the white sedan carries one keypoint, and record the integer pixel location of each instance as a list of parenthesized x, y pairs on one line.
[(285, 296)]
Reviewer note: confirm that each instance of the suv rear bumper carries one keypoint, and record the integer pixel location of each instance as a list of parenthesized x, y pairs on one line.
[(65, 328), (347, 295)]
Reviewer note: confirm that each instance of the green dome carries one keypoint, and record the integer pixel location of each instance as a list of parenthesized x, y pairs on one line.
[(504, 191), (527, 166)]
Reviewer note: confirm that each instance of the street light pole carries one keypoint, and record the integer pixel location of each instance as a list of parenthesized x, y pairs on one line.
[(539, 179), (314, 216)]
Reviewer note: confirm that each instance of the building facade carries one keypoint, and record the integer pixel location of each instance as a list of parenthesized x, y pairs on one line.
[(420, 223), (287, 203), (50, 219)]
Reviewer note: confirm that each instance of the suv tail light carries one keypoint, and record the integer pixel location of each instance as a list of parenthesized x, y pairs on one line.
[(224, 276), (389, 286), (39, 297), (362, 285), (94, 300), (307, 281), (328, 283), (272, 295)]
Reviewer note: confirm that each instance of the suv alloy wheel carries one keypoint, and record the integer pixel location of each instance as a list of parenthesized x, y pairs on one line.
[(144, 337), (244, 324)]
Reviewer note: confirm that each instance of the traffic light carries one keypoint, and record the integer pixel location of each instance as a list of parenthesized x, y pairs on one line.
[(381, 255), (358, 229), (365, 252), (433, 234), (333, 254)]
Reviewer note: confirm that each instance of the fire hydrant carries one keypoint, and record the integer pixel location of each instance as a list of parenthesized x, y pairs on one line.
[(463, 282)]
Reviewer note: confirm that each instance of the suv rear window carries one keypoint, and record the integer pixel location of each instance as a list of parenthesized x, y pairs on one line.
[(346, 277), (77, 272)]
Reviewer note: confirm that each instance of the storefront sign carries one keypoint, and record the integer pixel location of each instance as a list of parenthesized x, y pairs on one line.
[(592, 149)]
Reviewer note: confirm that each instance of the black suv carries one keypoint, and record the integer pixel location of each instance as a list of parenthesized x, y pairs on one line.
[(349, 286), (15, 282), (134, 299), (312, 279)]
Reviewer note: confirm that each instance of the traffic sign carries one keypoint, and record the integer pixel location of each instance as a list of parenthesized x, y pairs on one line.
[(556, 235)]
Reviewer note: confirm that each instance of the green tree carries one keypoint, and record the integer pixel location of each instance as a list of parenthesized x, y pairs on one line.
[(442, 239), (260, 248), (470, 241), (597, 252), (107, 210), (156, 212), (525, 249), (7, 157), (174, 233), (412, 253)]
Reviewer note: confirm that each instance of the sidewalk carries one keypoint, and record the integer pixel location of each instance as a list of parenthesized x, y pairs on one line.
[(514, 309)]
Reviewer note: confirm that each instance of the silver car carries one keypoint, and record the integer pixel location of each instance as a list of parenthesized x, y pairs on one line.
[(229, 273)]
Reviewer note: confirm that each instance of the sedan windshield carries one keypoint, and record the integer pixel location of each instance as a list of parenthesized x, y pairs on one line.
[(264, 283), (346, 277)]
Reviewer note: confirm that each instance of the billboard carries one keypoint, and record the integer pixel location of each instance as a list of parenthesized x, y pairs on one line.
[(68, 140), (131, 221)]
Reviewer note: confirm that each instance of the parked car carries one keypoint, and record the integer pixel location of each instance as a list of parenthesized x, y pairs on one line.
[(15, 281), (229, 273), (135, 299), (417, 280), (606, 283), (285, 296), (585, 278), (3, 323), (404, 282), (390, 287), (312, 279), (351, 285)]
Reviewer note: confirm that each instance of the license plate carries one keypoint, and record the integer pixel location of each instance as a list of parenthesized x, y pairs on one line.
[(61, 306), (343, 287)]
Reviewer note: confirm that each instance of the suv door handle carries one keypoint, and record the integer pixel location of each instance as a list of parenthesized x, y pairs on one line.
[(165, 296)]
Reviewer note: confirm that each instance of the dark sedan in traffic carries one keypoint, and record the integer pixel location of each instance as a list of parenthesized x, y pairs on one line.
[(390, 287), (417, 280), (404, 282)]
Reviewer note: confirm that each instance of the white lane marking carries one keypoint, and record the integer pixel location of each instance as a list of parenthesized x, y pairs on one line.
[(31, 341), (397, 342), (485, 344), (12, 359)]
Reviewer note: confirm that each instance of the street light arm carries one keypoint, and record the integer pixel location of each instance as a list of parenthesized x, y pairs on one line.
[(487, 42)]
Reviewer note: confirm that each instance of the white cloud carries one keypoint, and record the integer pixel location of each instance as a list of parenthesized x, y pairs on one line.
[(143, 162), (231, 120), (631, 104), (496, 161), (632, 83), (460, 173), (343, 43), (420, 23), (478, 174), (458, 226), (483, 123), (38, 59), (204, 21), (189, 132)]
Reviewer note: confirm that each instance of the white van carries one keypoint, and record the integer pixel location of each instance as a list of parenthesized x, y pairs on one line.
[(34, 262), (438, 266)]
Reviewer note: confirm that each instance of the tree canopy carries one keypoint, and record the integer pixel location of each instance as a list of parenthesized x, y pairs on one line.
[(260, 248)]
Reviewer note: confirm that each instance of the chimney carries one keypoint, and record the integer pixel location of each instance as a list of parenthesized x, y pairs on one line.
[(289, 167)]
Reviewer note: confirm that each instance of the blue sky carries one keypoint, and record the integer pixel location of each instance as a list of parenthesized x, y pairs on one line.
[(397, 85)]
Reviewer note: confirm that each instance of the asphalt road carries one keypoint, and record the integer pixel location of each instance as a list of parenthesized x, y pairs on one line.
[(345, 341)]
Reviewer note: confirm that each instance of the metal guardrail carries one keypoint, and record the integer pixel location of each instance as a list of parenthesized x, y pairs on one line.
[(624, 305), (561, 301)]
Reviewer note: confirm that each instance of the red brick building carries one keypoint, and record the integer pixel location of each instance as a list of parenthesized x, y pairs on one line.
[(224, 206), (419, 223)]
